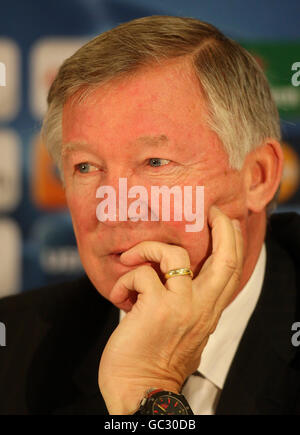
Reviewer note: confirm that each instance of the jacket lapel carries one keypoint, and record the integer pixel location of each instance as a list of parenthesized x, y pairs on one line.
[(86, 375), (258, 380)]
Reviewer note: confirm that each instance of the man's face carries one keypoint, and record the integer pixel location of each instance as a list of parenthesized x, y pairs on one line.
[(158, 113)]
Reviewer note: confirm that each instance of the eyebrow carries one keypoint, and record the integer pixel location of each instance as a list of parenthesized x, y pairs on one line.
[(74, 146), (161, 140)]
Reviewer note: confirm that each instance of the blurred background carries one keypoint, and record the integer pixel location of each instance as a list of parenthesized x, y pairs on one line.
[(37, 244)]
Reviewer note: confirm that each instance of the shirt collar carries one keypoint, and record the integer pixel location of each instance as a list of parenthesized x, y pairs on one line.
[(223, 342)]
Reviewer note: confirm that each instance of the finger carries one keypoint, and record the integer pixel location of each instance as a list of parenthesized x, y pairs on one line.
[(143, 280), (168, 256), (232, 287), (219, 267)]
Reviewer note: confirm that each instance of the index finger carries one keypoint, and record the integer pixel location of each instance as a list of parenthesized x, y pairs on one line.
[(168, 256), (226, 258)]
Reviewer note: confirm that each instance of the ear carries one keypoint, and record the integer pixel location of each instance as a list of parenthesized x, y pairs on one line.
[(263, 171)]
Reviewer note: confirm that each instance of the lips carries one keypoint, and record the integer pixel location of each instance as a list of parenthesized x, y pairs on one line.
[(122, 248), (119, 251)]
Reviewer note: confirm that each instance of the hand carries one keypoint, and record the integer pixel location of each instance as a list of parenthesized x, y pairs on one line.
[(159, 342)]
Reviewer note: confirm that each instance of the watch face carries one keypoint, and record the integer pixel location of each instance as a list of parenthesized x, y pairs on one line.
[(168, 405)]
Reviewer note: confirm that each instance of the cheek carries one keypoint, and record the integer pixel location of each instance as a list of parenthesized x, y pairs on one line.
[(197, 243), (82, 206)]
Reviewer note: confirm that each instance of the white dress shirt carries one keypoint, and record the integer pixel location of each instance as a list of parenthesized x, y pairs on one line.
[(203, 392)]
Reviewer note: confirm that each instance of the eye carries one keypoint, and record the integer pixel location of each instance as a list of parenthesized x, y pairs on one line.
[(154, 162), (85, 168)]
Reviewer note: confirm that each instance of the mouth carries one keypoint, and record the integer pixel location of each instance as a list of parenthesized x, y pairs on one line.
[(116, 254), (120, 251), (123, 248)]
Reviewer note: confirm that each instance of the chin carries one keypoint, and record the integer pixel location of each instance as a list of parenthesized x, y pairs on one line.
[(128, 303)]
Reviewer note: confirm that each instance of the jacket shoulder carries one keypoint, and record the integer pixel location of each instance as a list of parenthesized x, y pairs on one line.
[(46, 300), (50, 332)]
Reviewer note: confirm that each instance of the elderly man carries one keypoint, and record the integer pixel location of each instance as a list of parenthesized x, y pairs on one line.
[(206, 313)]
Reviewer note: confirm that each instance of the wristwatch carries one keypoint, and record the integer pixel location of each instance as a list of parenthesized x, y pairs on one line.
[(160, 402)]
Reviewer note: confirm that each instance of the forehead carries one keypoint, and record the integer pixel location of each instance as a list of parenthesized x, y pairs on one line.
[(153, 106)]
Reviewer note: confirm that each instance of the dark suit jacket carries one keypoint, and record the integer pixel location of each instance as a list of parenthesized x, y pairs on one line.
[(55, 337)]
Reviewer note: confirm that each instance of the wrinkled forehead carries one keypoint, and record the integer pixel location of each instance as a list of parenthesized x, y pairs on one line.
[(176, 75), (156, 108)]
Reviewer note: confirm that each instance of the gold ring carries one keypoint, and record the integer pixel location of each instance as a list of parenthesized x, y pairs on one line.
[(179, 272)]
